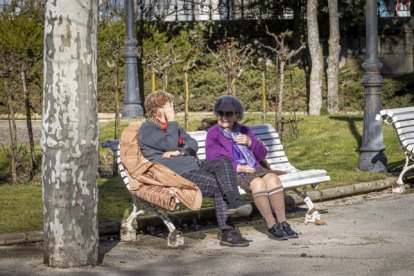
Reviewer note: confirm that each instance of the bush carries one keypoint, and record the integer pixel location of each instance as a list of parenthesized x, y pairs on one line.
[(206, 83)]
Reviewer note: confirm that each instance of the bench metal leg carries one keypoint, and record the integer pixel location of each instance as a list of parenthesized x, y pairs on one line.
[(399, 188), (175, 238), (312, 216), (129, 227)]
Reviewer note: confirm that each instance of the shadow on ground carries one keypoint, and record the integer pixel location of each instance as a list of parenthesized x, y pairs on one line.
[(352, 127)]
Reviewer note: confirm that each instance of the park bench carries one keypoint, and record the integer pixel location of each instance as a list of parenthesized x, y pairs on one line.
[(276, 159), (402, 120)]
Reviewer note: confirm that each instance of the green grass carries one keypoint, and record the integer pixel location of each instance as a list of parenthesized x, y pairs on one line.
[(329, 143)]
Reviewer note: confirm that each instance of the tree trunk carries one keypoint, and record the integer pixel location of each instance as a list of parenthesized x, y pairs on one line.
[(70, 134), (279, 127), (315, 95), (13, 134), (333, 59), (153, 82), (29, 123), (165, 81), (229, 85), (187, 96), (277, 114), (264, 94)]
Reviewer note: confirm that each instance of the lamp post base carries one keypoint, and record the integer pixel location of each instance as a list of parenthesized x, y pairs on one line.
[(130, 111), (373, 161)]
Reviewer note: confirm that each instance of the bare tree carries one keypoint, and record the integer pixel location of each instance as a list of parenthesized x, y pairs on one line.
[(232, 59), (283, 55), (333, 59), (316, 76), (12, 128), (262, 67), (195, 52), (33, 164), (159, 62), (70, 134)]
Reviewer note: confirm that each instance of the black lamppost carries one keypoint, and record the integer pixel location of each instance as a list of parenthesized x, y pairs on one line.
[(372, 156), (132, 104)]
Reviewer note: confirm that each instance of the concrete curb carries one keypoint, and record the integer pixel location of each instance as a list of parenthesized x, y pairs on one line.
[(180, 218)]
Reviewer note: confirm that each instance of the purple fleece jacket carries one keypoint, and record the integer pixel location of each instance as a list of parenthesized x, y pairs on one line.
[(219, 146)]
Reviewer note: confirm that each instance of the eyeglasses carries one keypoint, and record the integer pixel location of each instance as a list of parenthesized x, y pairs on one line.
[(225, 113)]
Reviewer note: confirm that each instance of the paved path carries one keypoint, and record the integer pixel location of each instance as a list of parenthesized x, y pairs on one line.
[(365, 235), (21, 127)]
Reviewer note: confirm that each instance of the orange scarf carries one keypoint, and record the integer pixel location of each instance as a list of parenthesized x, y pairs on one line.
[(164, 127)]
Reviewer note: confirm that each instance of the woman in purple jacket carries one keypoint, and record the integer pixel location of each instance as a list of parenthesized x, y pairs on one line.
[(237, 142)]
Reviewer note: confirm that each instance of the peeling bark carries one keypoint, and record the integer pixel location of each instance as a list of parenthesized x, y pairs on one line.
[(315, 95), (70, 134), (333, 59)]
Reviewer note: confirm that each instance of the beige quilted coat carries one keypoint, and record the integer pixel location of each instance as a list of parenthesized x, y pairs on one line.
[(153, 182)]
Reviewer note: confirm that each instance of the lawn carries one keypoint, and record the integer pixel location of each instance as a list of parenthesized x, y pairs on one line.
[(324, 142)]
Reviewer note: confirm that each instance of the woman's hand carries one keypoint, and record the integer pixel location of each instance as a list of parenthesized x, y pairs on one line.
[(243, 139), (169, 154), (169, 112), (245, 169)]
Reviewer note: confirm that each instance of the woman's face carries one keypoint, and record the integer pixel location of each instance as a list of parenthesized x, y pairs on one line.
[(161, 112), (226, 116)]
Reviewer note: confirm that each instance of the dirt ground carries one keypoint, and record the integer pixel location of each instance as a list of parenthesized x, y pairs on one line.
[(365, 235)]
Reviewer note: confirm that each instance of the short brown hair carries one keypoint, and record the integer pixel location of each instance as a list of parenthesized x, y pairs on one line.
[(155, 100)]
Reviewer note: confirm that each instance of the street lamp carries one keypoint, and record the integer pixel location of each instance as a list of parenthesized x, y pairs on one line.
[(132, 104), (372, 157)]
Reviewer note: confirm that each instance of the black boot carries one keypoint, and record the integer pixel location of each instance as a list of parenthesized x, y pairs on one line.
[(237, 207), (231, 238), (277, 233), (289, 231)]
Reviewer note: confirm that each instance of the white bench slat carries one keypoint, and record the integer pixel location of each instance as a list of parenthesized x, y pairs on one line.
[(408, 142), (201, 144), (274, 148), (265, 136), (403, 117), (307, 181), (303, 174), (391, 112), (403, 124), (271, 152), (404, 130), (272, 158), (262, 128), (271, 142), (407, 136), (277, 160), (275, 154), (286, 167)]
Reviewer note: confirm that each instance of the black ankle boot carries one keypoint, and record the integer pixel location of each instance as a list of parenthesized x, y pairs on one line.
[(237, 207), (277, 233), (289, 231)]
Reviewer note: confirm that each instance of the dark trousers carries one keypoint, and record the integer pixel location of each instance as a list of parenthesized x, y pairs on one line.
[(215, 179)]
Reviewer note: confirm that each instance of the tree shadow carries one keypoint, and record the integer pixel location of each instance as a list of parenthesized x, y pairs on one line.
[(352, 127), (396, 167)]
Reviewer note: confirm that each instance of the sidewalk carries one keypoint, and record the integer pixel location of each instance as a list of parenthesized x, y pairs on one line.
[(207, 214), (367, 234)]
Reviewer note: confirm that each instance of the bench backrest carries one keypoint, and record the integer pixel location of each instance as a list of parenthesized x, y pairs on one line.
[(402, 119), (276, 156)]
